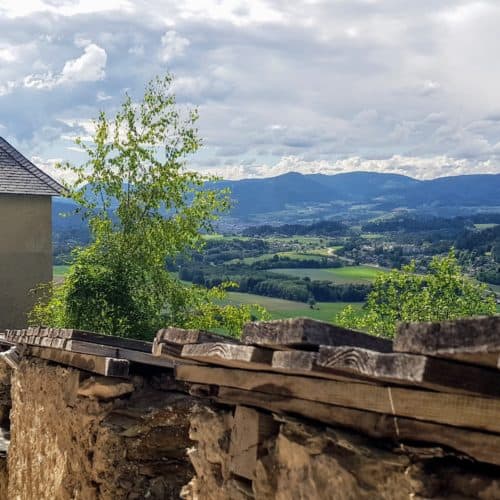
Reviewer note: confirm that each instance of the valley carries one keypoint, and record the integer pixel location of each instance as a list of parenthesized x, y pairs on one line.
[(316, 269)]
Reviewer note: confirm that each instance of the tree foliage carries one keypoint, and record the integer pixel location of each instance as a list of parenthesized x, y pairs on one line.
[(143, 207), (442, 294)]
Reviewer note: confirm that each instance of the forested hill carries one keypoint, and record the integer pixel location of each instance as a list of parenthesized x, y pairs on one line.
[(388, 191), (292, 197)]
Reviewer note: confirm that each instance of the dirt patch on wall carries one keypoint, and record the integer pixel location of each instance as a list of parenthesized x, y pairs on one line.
[(80, 437)]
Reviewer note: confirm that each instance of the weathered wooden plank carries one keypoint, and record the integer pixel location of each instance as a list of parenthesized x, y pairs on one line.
[(410, 369), (103, 366), (182, 337), (119, 342), (248, 357), (165, 351), (451, 409), (478, 445), (250, 429), (90, 348), (472, 340), (144, 358), (305, 332), (32, 334), (115, 352), (305, 363)]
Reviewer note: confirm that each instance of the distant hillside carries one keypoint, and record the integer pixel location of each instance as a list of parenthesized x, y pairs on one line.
[(388, 191), (318, 196)]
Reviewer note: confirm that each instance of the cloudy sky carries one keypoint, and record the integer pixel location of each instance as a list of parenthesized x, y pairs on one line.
[(327, 86)]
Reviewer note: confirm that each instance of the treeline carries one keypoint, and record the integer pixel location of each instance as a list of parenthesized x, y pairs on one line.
[(271, 284), (490, 275), (321, 228), (483, 240), (216, 251), (284, 262), (411, 224), (420, 223)]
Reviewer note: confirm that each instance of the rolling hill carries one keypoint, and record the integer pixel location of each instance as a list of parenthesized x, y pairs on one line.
[(323, 196)]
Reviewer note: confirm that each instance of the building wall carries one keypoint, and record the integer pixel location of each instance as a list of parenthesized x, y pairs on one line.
[(25, 254)]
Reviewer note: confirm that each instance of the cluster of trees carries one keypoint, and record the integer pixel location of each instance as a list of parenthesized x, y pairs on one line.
[(443, 293), (490, 275), (284, 261), (412, 224), (480, 240), (321, 228), (270, 284), (303, 290), (218, 250)]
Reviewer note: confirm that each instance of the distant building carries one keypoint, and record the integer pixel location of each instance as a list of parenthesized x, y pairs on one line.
[(25, 233)]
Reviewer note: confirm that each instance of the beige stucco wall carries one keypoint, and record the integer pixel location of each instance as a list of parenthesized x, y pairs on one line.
[(25, 254)]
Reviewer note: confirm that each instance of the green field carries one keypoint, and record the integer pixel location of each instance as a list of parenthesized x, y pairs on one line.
[(59, 271), (348, 274), (280, 308), (485, 226)]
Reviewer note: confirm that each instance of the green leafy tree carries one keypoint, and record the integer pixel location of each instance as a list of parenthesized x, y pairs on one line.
[(143, 207), (442, 294)]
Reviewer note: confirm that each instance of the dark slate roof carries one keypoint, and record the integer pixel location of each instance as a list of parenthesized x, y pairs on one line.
[(19, 176)]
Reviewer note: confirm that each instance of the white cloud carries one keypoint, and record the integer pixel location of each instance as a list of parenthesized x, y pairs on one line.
[(21, 8), (172, 45), (238, 12), (102, 96), (7, 54), (89, 67), (7, 87)]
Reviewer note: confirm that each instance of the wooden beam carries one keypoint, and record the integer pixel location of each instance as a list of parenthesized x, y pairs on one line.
[(116, 352), (250, 429), (32, 333), (144, 358), (109, 367), (451, 409), (236, 356), (410, 369), (472, 340), (478, 445), (308, 333), (305, 363), (182, 337), (165, 351)]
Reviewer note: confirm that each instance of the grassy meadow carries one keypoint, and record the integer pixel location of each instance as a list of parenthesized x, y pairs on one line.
[(341, 275), (280, 308)]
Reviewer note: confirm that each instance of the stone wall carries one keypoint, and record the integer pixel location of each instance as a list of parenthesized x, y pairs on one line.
[(76, 436), (5, 405), (83, 437), (304, 461)]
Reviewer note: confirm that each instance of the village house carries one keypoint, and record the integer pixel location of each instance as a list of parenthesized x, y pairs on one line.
[(25, 233)]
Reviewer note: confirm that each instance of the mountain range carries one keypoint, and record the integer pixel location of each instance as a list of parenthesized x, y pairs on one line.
[(295, 196)]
